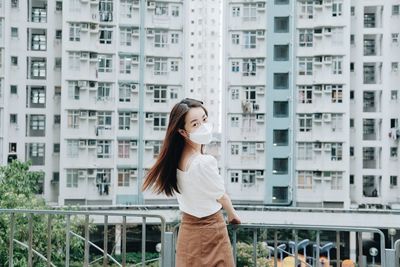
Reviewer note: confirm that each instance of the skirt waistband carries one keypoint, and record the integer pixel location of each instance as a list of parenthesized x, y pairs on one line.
[(203, 221)]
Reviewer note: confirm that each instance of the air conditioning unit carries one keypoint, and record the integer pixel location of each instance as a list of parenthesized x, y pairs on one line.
[(260, 146), (327, 146), (84, 26), (327, 59), (92, 143), (260, 62), (84, 55), (317, 117), (260, 34), (328, 88), (92, 84), (151, 5), (82, 174), (94, 27), (150, 89), (133, 174), (82, 143), (256, 107), (260, 118), (149, 116), (148, 145), (135, 59), (133, 144), (83, 114), (135, 32), (82, 83), (133, 87), (260, 90), (134, 116), (259, 175), (261, 6), (149, 60), (150, 33), (327, 117), (91, 174)]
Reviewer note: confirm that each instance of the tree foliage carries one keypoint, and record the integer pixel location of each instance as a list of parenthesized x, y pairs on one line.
[(17, 191)]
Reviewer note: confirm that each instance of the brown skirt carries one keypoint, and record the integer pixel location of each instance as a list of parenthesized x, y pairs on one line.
[(203, 242)]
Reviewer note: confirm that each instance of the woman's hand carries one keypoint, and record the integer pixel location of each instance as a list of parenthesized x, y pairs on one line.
[(234, 219)]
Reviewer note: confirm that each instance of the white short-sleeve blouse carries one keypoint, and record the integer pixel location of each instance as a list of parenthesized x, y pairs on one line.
[(200, 186)]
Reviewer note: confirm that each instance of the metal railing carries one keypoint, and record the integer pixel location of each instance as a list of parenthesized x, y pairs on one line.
[(67, 216)]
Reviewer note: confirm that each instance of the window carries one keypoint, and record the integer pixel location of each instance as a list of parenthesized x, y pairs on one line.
[(281, 2), (281, 109), (336, 180), (14, 32), (305, 122), (56, 148), (57, 119), (281, 80), (280, 194), (337, 65), (73, 90), (175, 11), (160, 94), (235, 39), (72, 148), (304, 151), (393, 181), (249, 39), (123, 149), (393, 94), (234, 177), (353, 10), (305, 66), (337, 94), (174, 38), (280, 165), (74, 62), (14, 3), (369, 73), (234, 121), (249, 12), (13, 118), (281, 24), (336, 151), (38, 68), (57, 63), (13, 89), (58, 34), (161, 9), (124, 120), (73, 119), (306, 37), (37, 122), (125, 64), (104, 119), (105, 63), (351, 178), (160, 38), (351, 123), (234, 149), (336, 122), (160, 66), (304, 179), (281, 52), (125, 92), (248, 177), (103, 149), (395, 10), (72, 178), (369, 20), (395, 66), (105, 34), (235, 11), (248, 149), (336, 8), (351, 151), (235, 94), (58, 5), (14, 61), (249, 67), (12, 148), (123, 177), (75, 32), (235, 66), (125, 36), (105, 10), (305, 94), (174, 65), (393, 152), (280, 137), (352, 39), (306, 9), (160, 122), (103, 91), (395, 38), (126, 9)]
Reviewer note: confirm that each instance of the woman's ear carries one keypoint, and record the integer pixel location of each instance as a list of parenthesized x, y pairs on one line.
[(182, 132)]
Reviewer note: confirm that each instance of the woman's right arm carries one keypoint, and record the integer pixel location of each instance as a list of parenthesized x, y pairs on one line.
[(226, 203)]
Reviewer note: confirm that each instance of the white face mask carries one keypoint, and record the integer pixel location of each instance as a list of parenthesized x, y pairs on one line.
[(202, 135)]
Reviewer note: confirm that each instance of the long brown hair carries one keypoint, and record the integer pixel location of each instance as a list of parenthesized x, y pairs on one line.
[(162, 175)]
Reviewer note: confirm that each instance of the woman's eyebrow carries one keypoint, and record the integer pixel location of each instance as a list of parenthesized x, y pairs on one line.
[(196, 119)]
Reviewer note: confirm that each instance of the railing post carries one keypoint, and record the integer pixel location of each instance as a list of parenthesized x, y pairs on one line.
[(390, 255), (124, 241), (11, 241), (255, 247), (86, 255), (234, 248), (337, 248), (317, 249), (143, 241), (105, 245), (49, 240), (296, 253), (169, 252), (276, 248), (360, 249), (68, 228), (30, 230)]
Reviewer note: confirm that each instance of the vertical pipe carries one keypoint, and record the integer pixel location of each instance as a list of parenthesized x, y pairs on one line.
[(143, 241), (49, 219), (360, 248), (234, 244), (30, 226), (255, 247), (337, 248), (86, 255), (67, 243), (275, 248), (296, 253), (317, 250), (124, 241), (105, 239), (11, 241)]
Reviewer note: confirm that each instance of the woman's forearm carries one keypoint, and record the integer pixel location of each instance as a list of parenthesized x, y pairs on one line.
[(226, 203)]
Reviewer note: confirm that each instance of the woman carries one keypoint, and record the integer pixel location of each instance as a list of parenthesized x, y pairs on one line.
[(184, 170)]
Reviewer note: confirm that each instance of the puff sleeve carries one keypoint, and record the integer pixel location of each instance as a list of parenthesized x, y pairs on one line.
[(212, 181)]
